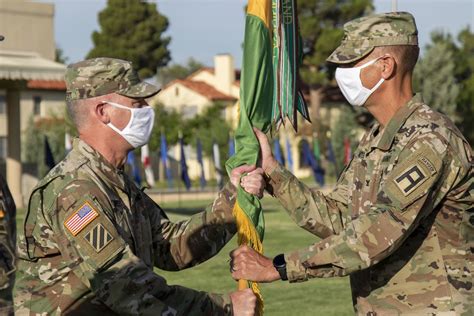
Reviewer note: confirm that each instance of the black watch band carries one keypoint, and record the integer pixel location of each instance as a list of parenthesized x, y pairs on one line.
[(280, 265)]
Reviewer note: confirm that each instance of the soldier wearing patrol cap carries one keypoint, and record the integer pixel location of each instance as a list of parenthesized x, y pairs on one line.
[(7, 245), (91, 237), (400, 220)]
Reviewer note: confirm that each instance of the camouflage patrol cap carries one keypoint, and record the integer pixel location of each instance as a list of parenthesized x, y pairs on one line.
[(363, 34), (98, 76)]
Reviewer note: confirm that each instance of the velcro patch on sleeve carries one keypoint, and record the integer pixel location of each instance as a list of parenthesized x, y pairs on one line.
[(92, 233), (412, 176), (80, 218), (98, 237)]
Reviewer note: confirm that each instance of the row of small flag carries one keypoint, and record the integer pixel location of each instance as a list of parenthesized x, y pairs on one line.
[(311, 158)]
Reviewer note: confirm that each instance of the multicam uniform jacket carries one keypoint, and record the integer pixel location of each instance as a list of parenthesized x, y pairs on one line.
[(7, 248), (400, 221), (92, 238)]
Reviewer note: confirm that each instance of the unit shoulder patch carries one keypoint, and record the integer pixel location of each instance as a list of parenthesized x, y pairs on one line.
[(98, 237), (80, 218), (412, 176)]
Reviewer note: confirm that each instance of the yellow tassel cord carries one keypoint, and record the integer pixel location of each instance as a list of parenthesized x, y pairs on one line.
[(247, 235)]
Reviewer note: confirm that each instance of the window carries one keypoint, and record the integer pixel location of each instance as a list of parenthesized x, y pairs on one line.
[(176, 91), (3, 148), (36, 105), (3, 105)]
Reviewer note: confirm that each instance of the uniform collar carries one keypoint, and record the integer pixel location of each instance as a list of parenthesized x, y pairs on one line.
[(102, 166), (384, 141)]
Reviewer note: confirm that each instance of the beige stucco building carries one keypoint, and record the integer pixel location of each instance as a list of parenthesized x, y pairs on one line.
[(31, 82)]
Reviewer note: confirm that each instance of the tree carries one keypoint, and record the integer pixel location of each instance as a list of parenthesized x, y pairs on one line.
[(177, 71), (60, 57), (53, 128), (132, 30), (168, 122), (465, 75), (210, 127), (321, 30), (462, 55), (434, 75)]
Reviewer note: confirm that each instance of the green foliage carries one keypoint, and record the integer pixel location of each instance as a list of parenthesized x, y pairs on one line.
[(168, 122), (132, 30), (434, 75), (60, 57), (54, 128), (210, 127), (461, 53), (177, 71), (346, 126), (320, 25)]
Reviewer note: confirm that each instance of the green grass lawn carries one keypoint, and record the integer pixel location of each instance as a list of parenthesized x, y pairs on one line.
[(315, 297)]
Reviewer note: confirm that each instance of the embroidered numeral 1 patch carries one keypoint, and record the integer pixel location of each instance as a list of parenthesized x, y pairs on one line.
[(98, 237), (410, 179), (80, 218)]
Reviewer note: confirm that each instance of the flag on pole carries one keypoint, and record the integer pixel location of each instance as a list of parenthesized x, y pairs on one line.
[(231, 147), (267, 94), (347, 151), (48, 154), (287, 54), (318, 171), (146, 161), (164, 160), (133, 166), (67, 143), (332, 157), (217, 164), (184, 167), (289, 157), (201, 163), (277, 152), (316, 149)]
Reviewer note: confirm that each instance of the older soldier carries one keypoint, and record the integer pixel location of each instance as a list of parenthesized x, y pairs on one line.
[(400, 221), (7, 248), (92, 238)]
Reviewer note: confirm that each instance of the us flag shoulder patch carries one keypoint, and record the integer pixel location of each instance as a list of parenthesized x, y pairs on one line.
[(80, 218), (98, 237)]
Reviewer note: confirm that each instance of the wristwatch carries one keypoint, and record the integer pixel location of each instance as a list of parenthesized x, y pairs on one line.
[(280, 265)]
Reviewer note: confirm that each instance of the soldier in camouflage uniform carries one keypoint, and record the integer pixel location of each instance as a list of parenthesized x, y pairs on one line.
[(7, 248), (91, 237), (400, 221)]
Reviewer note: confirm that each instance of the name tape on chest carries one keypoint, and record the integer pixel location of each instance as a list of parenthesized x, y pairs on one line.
[(98, 237), (80, 218)]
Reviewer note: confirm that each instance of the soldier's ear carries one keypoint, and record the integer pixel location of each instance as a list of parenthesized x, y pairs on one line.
[(389, 66), (101, 112)]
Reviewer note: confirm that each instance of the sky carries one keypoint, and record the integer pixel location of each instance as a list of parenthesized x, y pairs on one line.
[(204, 28)]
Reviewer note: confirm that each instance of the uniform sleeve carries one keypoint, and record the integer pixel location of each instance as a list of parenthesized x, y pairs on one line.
[(190, 242), (118, 278), (312, 210), (409, 191)]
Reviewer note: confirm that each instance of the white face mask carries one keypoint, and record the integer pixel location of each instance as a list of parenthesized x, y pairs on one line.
[(138, 130), (348, 80)]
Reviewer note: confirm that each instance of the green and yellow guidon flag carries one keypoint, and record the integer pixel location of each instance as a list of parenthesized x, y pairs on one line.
[(268, 96)]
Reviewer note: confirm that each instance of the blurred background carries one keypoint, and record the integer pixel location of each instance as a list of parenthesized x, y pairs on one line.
[(192, 49)]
